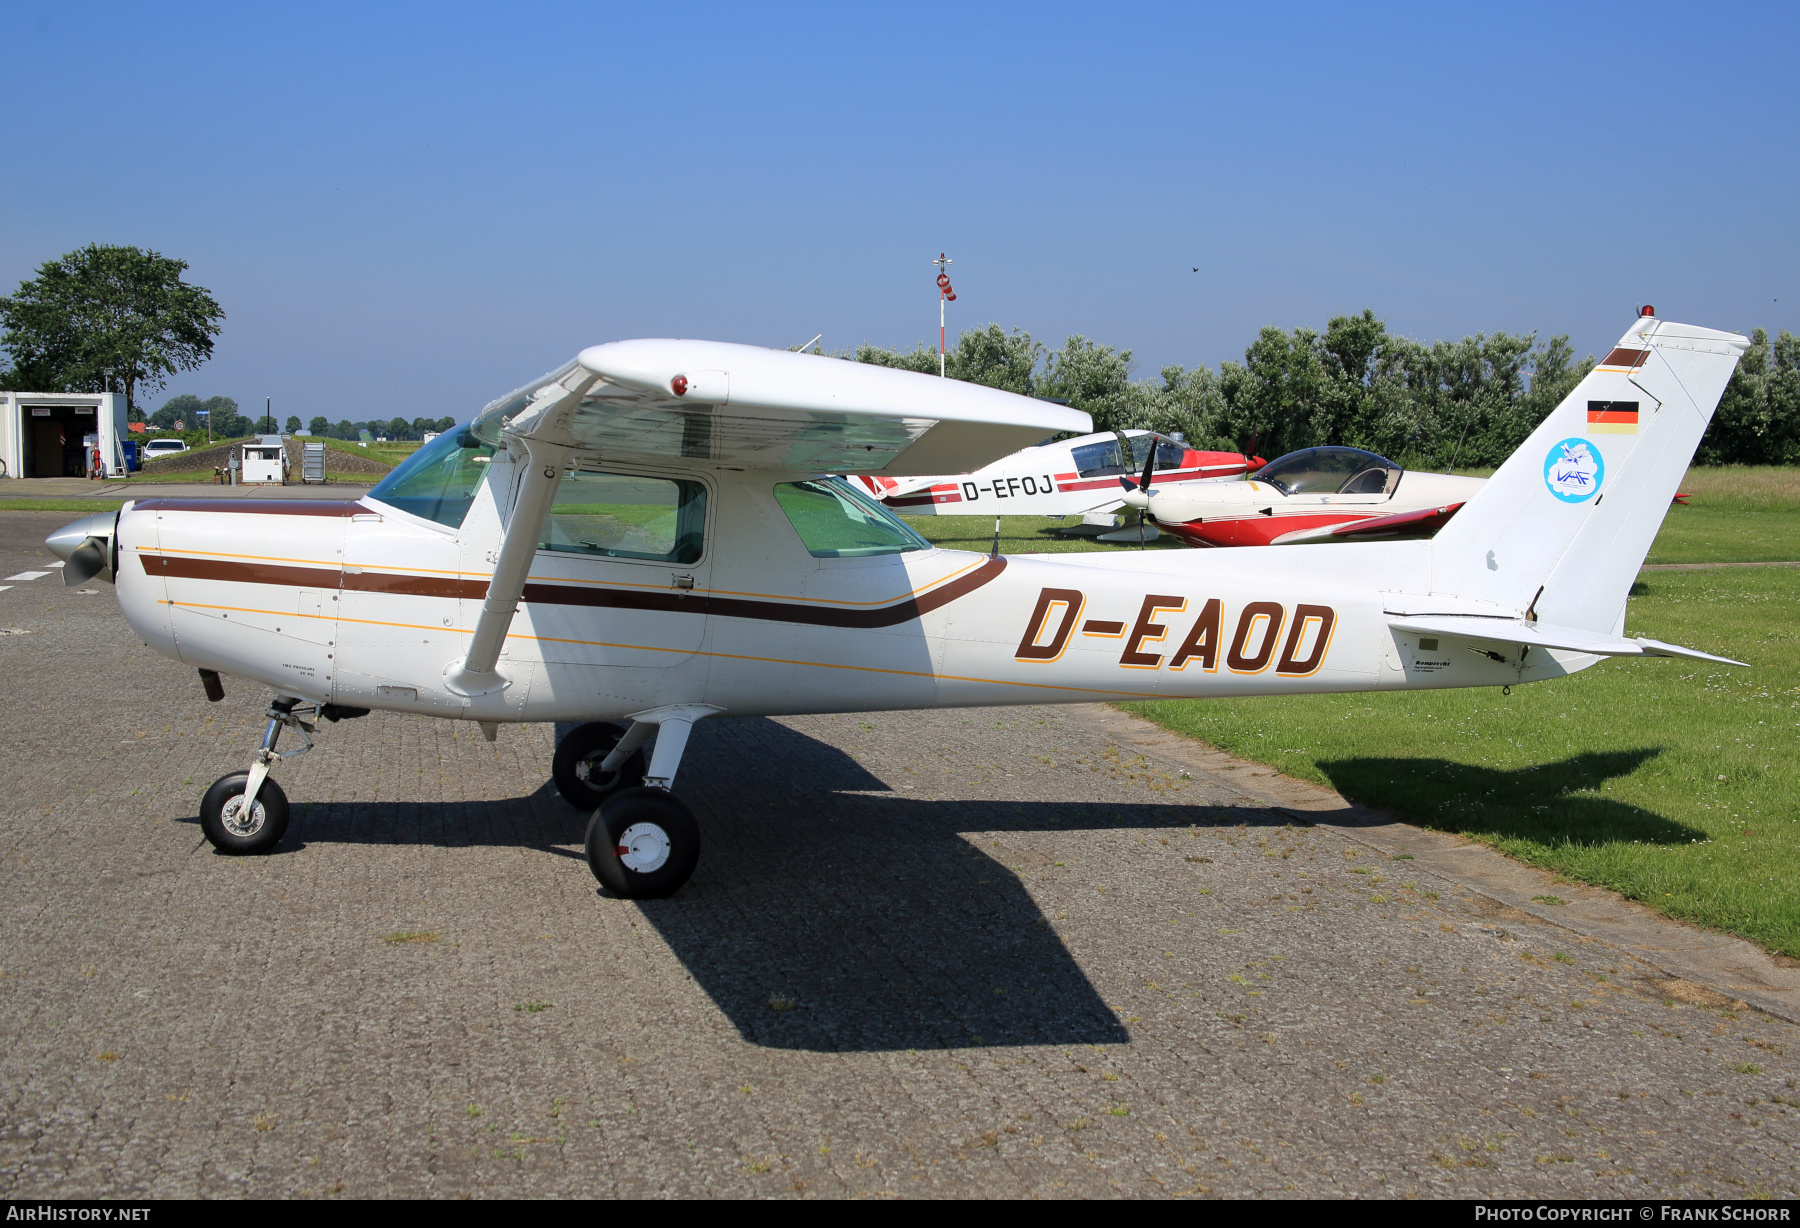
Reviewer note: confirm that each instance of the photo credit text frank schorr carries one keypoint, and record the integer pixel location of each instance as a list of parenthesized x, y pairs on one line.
[(1633, 1213)]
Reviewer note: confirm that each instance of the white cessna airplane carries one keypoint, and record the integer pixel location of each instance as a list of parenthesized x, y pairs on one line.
[(644, 536)]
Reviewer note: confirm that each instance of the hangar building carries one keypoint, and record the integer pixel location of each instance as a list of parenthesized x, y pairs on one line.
[(41, 433)]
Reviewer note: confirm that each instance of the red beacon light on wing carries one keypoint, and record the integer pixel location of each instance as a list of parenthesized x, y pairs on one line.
[(707, 387), (1646, 310)]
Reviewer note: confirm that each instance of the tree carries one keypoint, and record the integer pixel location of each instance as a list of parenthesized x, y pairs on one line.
[(107, 307), (183, 408), (222, 414), (320, 425), (1758, 419), (293, 423), (990, 355), (343, 430), (1093, 378), (921, 358)]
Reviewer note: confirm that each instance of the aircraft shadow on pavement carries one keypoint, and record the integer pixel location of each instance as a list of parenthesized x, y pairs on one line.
[(1546, 802), (822, 917)]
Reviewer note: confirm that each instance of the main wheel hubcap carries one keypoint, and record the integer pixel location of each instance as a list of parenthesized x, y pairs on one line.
[(240, 822), (644, 847)]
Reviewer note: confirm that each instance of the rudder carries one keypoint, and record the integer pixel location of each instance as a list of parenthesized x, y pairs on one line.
[(1567, 521)]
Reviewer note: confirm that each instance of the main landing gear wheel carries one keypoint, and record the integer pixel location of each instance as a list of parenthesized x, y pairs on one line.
[(236, 828), (576, 767), (643, 844)]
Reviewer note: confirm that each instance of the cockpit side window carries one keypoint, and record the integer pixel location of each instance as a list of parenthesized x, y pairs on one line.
[(1342, 471), (836, 522), (438, 481), (617, 515), (1098, 460)]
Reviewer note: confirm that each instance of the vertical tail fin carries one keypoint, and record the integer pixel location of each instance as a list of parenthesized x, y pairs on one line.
[(1566, 522)]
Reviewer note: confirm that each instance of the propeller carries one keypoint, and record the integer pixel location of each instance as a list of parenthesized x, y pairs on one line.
[(1137, 494), (85, 562), (85, 547)]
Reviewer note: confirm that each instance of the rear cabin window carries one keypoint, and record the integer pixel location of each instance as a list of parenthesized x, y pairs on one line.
[(1098, 460), (835, 522), (621, 516), (438, 481)]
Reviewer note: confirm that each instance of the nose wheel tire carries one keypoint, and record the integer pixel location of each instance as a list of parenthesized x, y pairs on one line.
[(576, 767), (643, 844), (242, 830)]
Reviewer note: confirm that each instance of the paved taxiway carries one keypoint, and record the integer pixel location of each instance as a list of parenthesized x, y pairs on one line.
[(977, 953)]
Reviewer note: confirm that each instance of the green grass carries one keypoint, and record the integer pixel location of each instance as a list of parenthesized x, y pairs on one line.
[(1736, 514), (1671, 782), (61, 505), (390, 453)]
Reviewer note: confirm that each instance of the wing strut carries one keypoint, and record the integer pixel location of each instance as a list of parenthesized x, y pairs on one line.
[(544, 463)]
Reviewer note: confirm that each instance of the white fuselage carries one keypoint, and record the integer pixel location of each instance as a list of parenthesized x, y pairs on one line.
[(362, 605), (1254, 513)]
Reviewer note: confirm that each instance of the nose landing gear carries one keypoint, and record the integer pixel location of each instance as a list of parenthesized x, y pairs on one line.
[(245, 812)]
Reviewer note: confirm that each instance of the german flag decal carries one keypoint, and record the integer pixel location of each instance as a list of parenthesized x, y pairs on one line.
[(1612, 418)]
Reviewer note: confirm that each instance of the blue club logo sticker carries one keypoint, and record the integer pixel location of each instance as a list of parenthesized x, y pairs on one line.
[(1574, 470)]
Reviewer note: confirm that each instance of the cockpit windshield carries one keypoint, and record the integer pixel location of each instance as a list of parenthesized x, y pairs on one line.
[(1106, 459), (1329, 471), (438, 481)]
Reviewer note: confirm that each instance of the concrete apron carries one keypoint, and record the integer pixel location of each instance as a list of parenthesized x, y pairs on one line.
[(1732, 967)]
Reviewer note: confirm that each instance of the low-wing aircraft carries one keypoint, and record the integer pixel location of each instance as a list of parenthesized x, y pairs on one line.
[(643, 538), (1316, 494), (1066, 477)]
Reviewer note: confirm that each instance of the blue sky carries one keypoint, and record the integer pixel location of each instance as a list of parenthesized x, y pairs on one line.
[(408, 210)]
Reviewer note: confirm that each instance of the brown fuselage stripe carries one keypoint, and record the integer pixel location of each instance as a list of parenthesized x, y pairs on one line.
[(673, 601), (1625, 358), (258, 507)]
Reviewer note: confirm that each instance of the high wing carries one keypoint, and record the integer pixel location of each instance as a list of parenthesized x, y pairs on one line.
[(738, 406), (747, 407)]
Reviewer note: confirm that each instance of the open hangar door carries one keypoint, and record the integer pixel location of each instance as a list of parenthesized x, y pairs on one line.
[(42, 434), (52, 440)]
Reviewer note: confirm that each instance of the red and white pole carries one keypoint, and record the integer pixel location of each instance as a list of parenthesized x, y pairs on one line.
[(945, 295)]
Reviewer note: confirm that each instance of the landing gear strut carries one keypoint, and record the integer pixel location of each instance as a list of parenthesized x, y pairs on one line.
[(246, 812), (642, 842), (577, 771)]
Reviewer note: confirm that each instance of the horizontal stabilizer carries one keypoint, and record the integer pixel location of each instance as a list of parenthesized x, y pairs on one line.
[(1541, 635), (1422, 523)]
